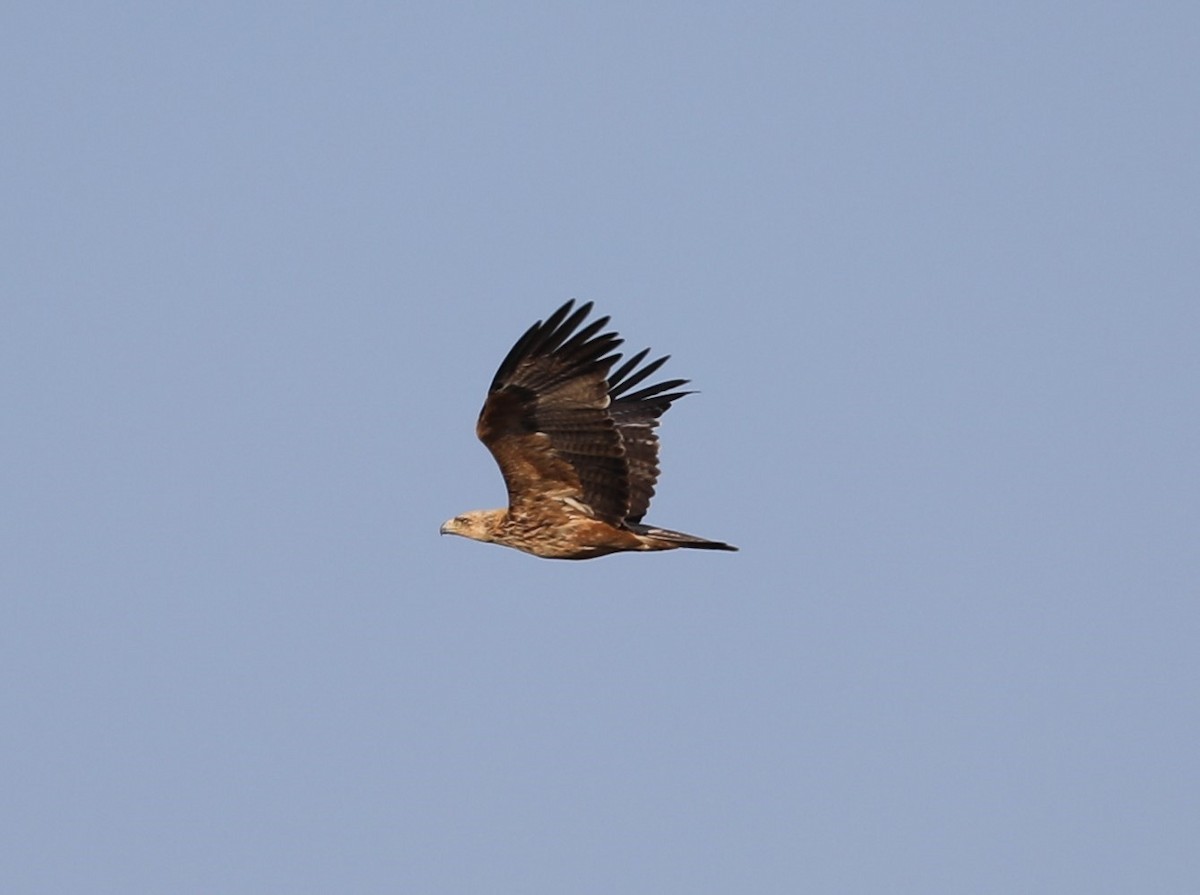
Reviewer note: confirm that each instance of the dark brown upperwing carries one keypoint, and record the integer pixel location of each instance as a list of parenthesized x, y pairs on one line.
[(546, 418), (636, 416)]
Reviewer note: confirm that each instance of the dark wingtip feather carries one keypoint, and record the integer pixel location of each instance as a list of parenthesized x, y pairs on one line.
[(560, 334), (556, 335), (619, 384), (614, 380), (654, 392), (531, 340), (559, 315), (581, 338)]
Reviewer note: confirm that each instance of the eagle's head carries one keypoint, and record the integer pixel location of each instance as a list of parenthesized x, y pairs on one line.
[(478, 525)]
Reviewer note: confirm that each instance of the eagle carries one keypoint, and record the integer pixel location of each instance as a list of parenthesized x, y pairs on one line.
[(576, 445)]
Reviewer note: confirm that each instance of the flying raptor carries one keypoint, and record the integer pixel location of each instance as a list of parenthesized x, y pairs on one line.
[(576, 446)]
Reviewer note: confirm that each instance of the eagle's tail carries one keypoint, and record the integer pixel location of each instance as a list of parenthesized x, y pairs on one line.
[(670, 539)]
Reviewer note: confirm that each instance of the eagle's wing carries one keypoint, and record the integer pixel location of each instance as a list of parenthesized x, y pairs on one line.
[(547, 419), (636, 416)]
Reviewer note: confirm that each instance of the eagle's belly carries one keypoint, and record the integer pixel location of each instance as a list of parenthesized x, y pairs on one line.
[(572, 538)]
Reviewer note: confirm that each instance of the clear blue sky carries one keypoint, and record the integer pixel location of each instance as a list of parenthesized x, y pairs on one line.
[(933, 268)]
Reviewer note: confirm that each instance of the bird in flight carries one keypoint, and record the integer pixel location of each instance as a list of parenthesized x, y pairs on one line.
[(576, 445)]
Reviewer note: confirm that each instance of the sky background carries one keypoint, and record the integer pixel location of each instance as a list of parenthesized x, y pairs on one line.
[(933, 268)]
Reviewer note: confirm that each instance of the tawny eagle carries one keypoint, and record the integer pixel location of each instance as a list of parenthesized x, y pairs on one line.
[(577, 448)]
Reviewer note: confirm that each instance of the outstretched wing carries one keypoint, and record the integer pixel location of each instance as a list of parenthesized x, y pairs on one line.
[(636, 416), (560, 427), (546, 419)]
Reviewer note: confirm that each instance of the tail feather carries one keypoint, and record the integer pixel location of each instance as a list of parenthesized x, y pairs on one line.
[(679, 538)]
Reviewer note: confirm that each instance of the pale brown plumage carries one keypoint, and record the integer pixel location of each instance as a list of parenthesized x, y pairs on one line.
[(577, 448)]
